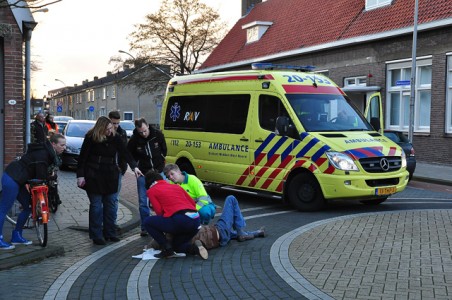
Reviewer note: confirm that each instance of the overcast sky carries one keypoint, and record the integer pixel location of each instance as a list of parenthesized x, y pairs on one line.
[(75, 39)]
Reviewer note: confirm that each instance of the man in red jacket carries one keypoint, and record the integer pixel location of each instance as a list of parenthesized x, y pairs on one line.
[(175, 214)]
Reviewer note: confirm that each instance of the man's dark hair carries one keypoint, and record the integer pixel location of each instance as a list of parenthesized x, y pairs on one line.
[(139, 122), (150, 177), (114, 114)]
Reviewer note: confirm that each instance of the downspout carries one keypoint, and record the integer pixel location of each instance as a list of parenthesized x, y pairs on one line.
[(28, 29)]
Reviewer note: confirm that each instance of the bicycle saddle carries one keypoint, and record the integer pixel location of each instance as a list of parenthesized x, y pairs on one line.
[(36, 181)]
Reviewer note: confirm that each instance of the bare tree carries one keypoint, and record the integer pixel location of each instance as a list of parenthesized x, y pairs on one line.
[(180, 34)]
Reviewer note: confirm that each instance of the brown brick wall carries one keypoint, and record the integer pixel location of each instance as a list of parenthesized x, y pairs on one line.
[(14, 88), (351, 61)]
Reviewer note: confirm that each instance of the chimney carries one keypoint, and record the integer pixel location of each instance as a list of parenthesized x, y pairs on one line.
[(96, 78), (108, 73), (126, 67)]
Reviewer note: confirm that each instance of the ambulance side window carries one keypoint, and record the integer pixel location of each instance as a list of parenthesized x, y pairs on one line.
[(270, 108), (208, 113)]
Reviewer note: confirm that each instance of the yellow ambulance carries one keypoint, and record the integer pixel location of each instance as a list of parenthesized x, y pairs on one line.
[(283, 130)]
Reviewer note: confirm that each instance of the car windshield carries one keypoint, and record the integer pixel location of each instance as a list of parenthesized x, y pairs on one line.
[(325, 112), (127, 125), (78, 129)]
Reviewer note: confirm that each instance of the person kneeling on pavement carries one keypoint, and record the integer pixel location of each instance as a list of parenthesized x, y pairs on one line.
[(231, 225), (175, 214), (194, 187)]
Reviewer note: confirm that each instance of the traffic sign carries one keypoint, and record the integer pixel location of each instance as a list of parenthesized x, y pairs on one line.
[(91, 108), (59, 109), (403, 82), (59, 104)]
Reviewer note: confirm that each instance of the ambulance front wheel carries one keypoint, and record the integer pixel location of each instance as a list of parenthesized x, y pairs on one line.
[(185, 165), (304, 193)]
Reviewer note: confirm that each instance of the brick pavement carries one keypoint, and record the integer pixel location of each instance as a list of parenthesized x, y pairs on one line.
[(397, 255)]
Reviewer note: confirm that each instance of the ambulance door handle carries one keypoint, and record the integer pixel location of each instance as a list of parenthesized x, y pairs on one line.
[(244, 139), (259, 141)]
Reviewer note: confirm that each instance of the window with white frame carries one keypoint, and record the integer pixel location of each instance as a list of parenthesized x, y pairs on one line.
[(128, 115), (399, 94), (113, 92), (372, 4), (355, 81), (449, 95), (104, 93)]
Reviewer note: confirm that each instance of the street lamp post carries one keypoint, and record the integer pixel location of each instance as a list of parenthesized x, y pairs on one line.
[(139, 100), (413, 74), (65, 95)]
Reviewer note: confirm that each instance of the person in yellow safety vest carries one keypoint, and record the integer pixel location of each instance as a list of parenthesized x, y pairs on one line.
[(194, 187)]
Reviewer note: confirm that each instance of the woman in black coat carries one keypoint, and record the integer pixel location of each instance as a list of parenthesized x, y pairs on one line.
[(98, 174)]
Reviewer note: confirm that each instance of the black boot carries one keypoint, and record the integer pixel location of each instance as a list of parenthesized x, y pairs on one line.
[(167, 252)]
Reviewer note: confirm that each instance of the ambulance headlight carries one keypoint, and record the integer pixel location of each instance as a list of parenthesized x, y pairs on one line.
[(341, 161), (403, 157)]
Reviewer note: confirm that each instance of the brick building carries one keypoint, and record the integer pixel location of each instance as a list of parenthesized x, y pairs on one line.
[(364, 46), (16, 25), (97, 97)]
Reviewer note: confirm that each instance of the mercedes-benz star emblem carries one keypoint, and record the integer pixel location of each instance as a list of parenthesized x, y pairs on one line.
[(384, 164)]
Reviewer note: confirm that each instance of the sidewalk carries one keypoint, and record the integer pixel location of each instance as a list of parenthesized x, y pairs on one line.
[(72, 214)]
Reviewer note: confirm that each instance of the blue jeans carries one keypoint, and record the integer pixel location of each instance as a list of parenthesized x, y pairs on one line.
[(116, 203), (231, 223), (182, 227), (11, 191), (101, 212), (143, 201)]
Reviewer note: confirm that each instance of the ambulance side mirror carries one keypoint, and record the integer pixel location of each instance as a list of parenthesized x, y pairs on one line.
[(282, 125)]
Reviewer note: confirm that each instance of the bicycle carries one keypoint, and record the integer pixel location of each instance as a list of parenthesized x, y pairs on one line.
[(53, 196), (39, 210)]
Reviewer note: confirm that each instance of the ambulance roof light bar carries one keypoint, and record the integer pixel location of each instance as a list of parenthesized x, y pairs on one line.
[(270, 66)]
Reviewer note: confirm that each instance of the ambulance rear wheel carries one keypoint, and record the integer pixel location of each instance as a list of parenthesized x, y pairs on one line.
[(305, 194)]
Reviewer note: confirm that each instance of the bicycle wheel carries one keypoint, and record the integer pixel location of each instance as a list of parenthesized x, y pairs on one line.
[(41, 232), (41, 228), (54, 201)]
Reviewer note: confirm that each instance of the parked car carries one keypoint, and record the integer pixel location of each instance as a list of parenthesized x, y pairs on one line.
[(402, 140), (62, 118), (128, 126), (74, 132), (61, 125)]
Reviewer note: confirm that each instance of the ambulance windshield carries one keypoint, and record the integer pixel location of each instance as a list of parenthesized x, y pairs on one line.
[(325, 112)]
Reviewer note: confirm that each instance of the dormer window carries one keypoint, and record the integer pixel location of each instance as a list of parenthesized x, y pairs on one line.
[(255, 30), (373, 4)]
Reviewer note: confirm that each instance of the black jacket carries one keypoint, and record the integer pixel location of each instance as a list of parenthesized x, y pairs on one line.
[(149, 152), (38, 132), (34, 164), (98, 163), (122, 160)]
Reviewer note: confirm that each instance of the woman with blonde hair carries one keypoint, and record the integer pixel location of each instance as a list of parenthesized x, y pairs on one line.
[(98, 174)]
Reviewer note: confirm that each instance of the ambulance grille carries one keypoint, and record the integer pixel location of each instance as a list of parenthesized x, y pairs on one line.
[(381, 164)]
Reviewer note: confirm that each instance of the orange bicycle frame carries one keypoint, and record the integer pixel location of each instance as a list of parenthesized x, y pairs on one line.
[(39, 197)]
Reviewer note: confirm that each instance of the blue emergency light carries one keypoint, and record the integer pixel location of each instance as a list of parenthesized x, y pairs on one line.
[(270, 66)]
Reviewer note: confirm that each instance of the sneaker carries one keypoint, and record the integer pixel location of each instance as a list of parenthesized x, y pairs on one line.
[(260, 232), (167, 253), (200, 250), (18, 239), (143, 233), (4, 245), (113, 239), (245, 237)]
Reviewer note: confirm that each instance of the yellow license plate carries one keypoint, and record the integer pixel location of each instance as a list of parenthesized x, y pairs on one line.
[(385, 191)]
